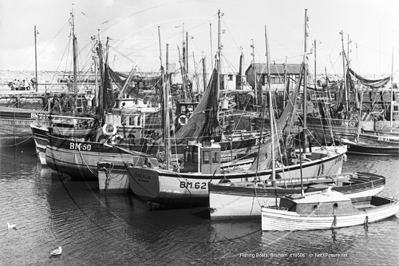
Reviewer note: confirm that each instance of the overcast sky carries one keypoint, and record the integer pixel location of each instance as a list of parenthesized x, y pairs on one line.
[(132, 26)]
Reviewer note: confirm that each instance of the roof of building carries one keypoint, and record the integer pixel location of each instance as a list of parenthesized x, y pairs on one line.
[(276, 68)]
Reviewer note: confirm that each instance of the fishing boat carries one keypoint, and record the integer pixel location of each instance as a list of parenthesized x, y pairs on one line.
[(201, 163), (14, 126), (377, 142), (61, 125), (342, 108), (371, 144), (325, 210), (136, 131), (133, 133), (245, 199), (188, 186)]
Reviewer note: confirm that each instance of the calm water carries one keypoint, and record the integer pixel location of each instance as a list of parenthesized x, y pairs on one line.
[(117, 229)]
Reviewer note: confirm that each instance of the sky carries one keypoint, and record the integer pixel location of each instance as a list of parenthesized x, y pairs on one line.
[(138, 28)]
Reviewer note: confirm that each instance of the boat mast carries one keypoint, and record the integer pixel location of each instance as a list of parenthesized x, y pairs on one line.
[(286, 84), (186, 62), (270, 110), (218, 64), (182, 74), (344, 72), (391, 114), (75, 84), (315, 71), (96, 87), (165, 107), (210, 32), (204, 72), (101, 67), (183, 51), (196, 76), (305, 83), (36, 83), (254, 69)]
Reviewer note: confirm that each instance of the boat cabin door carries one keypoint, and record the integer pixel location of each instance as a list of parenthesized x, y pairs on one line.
[(210, 159)]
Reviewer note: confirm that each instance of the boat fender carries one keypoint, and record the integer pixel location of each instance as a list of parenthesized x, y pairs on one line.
[(182, 120), (106, 130), (344, 157)]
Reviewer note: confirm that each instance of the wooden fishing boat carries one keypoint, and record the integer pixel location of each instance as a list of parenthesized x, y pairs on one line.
[(201, 166), (245, 199), (188, 186), (78, 157), (61, 125), (14, 125), (326, 210), (371, 144), (341, 109), (134, 135)]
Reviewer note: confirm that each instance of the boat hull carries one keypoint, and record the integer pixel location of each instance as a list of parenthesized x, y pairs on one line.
[(283, 220), (373, 149), (328, 130), (191, 189), (234, 202), (15, 126), (79, 158)]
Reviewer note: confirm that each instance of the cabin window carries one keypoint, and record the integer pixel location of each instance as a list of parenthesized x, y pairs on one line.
[(139, 121), (335, 205), (195, 157), (192, 155), (205, 156), (131, 120), (315, 207), (230, 77), (215, 158)]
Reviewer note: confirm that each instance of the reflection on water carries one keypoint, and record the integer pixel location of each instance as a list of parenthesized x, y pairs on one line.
[(51, 210)]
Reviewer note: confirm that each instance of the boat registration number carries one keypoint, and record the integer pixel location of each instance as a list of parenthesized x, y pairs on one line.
[(79, 146), (260, 140), (37, 115), (195, 185)]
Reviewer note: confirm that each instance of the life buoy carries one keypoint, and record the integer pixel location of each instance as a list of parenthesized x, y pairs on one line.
[(182, 120), (106, 129)]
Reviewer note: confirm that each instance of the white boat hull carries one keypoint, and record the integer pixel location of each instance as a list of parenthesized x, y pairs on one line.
[(228, 206), (282, 220), (112, 178)]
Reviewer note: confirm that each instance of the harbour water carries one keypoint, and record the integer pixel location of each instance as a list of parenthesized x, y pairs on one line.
[(50, 210)]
